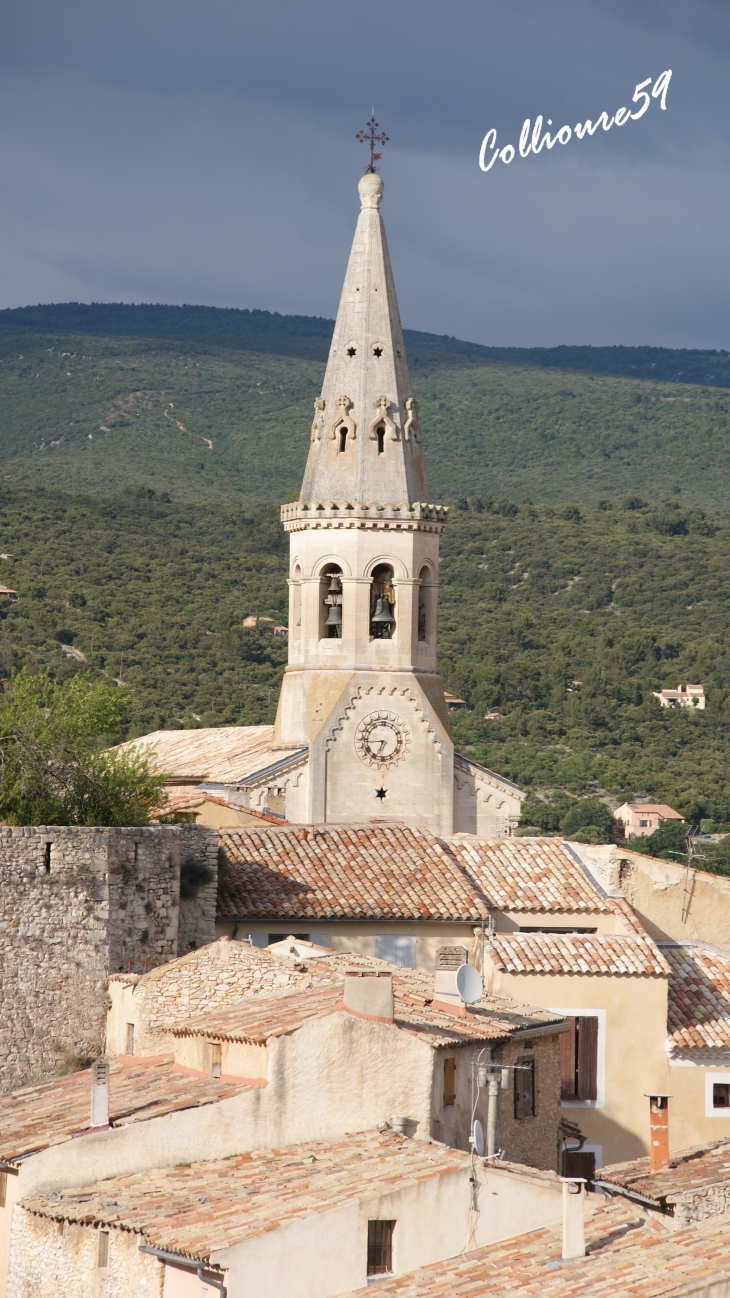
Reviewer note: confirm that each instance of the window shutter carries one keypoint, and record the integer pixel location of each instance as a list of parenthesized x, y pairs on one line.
[(577, 1163), (449, 1082), (567, 1063), (587, 1033)]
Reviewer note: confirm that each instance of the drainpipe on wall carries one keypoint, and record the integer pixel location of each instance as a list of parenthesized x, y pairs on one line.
[(190, 1264), (492, 1115)]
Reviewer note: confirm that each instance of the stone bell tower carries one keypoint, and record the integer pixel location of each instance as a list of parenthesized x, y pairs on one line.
[(362, 691)]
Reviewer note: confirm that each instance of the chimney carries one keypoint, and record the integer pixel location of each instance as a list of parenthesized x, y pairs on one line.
[(574, 1234), (99, 1094), (369, 994), (445, 993), (659, 1132)]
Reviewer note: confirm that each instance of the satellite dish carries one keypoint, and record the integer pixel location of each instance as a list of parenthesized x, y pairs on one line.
[(469, 983), (477, 1135)]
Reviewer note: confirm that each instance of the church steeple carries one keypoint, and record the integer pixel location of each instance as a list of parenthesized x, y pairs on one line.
[(366, 437), (361, 691)]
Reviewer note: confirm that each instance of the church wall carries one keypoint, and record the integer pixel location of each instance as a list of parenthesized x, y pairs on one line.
[(481, 807)]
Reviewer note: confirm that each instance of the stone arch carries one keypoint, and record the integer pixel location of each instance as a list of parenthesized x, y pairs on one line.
[(319, 566), (400, 571)]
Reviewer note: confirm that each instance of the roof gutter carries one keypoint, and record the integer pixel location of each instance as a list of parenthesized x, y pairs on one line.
[(190, 1263), (608, 1187), (546, 1030)]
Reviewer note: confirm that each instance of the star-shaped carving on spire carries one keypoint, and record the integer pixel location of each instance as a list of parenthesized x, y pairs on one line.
[(370, 136)]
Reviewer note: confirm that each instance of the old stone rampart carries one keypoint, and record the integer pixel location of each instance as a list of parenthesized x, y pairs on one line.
[(77, 904)]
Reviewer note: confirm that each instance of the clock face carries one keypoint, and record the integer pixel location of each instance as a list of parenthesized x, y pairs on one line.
[(382, 739)]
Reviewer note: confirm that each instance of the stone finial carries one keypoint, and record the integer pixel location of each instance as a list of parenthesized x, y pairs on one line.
[(318, 421), (371, 190), (412, 426)]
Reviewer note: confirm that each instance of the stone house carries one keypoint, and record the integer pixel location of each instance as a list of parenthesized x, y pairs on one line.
[(629, 1249), (639, 819), (685, 696), (692, 1187), (310, 1219)]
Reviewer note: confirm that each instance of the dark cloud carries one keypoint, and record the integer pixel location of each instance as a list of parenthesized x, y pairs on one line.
[(184, 152)]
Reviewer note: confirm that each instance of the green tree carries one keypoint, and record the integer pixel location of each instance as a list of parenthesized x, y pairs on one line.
[(55, 767), (588, 813), (668, 841)]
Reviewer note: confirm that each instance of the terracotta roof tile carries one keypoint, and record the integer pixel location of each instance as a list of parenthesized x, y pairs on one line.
[(699, 998), (259, 1019), (392, 871), (629, 1253), (694, 1169), (39, 1116), (628, 954), (207, 1206)]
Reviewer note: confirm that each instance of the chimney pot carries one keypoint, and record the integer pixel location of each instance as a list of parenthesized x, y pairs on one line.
[(100, 1093), (659, 1132), (369, 994), (574, 1233)]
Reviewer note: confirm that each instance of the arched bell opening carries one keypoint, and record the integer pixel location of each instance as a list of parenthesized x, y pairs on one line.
[(425, 604), (382, 603), (330, 603)]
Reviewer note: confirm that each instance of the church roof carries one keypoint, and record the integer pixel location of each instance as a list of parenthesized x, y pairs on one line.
[(216, 754), (392, 871), (366, 385)]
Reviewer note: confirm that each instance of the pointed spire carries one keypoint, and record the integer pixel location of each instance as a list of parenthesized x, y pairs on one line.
[(366, 437)]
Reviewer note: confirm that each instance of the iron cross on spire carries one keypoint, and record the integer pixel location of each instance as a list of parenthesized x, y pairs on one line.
[(371, 137)]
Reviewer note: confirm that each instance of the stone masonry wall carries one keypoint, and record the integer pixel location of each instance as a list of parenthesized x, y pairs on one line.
[(59, 1259), (75, 905), (196, 927), (203, 980)]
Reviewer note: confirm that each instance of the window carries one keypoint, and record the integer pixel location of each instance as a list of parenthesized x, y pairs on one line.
[(643, 824), (579, 1163), (380, 433), (579, 1059), (721, 1095), (279, 937), (216, 1060), (129, 1050), (396, 950), (103, 1256), (47, 858), (380, 1247), (425, 605), (525, 1089), (342, 434), (449, 1082)]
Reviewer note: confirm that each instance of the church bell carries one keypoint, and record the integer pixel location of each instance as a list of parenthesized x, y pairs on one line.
[(334, 617), (382, 614)]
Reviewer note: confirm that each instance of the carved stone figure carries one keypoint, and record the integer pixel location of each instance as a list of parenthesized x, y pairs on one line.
[(318, 421), (412, 428)]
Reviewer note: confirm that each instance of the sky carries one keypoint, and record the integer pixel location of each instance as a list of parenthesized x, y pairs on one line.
[(204, 151)]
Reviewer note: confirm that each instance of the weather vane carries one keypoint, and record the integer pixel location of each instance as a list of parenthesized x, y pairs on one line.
[(371, 137)]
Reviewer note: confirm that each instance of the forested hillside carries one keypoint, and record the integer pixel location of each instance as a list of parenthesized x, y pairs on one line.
[(563, 620), (194, 400)]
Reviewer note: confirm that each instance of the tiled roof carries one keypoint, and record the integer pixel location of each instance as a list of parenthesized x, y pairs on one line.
[(527, 874), (261, 1018), (695, 1169), (39, 1116), (220, 754), (699, 998), (392, 871), (629, 1253), (577, 953), (204, 1207)]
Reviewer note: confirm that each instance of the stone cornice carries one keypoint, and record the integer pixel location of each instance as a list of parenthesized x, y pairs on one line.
[(419, 517)]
